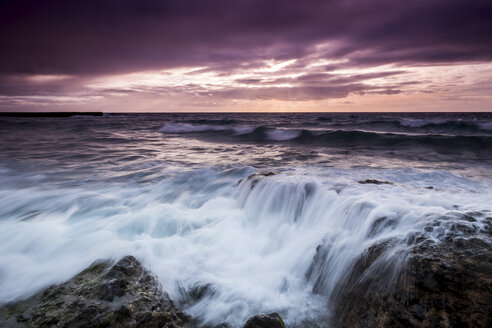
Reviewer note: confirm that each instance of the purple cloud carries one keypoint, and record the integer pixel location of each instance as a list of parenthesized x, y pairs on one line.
[(89, 39), (107, 36)]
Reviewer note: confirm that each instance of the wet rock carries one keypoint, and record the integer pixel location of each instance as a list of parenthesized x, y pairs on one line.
[(380, 225), (374, 181), (315, 272), (271, 320), (439, 284), (418, 311), (255, 178), (103, 295), (198, 292)]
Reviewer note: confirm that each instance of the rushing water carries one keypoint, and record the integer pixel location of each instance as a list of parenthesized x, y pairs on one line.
[(172, 190)]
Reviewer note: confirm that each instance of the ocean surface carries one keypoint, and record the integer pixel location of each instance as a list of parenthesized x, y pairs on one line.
[(173, 190)]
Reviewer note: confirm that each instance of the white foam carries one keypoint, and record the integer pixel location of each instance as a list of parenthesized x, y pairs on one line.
[(239, 130), (283, 134)]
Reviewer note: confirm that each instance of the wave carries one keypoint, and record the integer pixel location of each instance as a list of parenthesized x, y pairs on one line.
[(257, 133), (213, 121), (485, 126), (283, 135), (418, 123), (179, 128), (333, 138), (377, 139), (446, 124)]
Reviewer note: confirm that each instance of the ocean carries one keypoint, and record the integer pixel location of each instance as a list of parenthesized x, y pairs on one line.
[(234, 205)]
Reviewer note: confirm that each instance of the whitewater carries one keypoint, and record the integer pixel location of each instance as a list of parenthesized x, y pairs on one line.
[(234, 206)]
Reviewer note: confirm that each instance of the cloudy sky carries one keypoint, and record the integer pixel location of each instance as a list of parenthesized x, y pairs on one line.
[(245, 55)]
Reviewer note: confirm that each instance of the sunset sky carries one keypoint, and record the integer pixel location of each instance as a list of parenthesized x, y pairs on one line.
[(245, 55)]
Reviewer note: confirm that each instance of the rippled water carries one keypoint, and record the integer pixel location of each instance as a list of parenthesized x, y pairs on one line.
[(172, 189)]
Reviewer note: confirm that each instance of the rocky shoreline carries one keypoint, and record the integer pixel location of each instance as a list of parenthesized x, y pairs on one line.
[(123, 295), (440, 284), (443, 285), (103, 295)]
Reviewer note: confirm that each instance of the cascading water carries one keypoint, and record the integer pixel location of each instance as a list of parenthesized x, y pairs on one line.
[(344, 221)]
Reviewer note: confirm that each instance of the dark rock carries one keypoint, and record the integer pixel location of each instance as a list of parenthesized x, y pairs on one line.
[(198, 292), (144, 317), (255, 178), (222, 325), (444, 284), (271, 320), (103, 295), (418, 312), (315, 271), (381, 224), (374, 181), (123, 311)]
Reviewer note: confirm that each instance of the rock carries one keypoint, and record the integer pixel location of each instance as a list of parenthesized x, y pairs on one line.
[(103, 295), (271, 320), (445, 284), (123, 295), (255, 178), (374, 181), (198, 292)]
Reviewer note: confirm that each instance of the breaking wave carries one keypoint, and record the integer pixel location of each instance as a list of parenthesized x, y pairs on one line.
[(447, 124), (179, 128), (343, 138)]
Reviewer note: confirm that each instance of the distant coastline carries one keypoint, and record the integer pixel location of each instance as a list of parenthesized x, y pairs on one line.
[(50, 114)]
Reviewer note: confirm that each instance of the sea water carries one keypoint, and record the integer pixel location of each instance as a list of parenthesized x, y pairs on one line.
[(173, 190)]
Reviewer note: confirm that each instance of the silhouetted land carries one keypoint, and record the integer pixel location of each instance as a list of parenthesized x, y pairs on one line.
[(49, 114)]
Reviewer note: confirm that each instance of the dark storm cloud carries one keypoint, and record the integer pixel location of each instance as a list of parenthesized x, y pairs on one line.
[(55, 48), (316, 79), (113, 36), (21, 84)]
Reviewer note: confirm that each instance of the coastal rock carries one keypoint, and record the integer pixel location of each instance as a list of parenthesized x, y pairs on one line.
[(374, 181), (255, 178), (440, 284), (103, 295), (271, 320)]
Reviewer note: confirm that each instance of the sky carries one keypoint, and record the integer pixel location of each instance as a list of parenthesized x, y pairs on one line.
[(245, 55)]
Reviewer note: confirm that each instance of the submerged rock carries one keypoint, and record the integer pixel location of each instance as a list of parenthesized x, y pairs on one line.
[(374, 181), (196, 293), (256, 177), (271, 320), (439, 284), (122, 295)]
